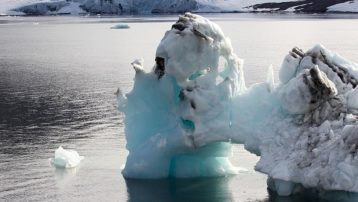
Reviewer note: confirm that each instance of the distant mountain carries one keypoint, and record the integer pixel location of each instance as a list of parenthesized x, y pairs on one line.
[(310, 6), (74, 7)]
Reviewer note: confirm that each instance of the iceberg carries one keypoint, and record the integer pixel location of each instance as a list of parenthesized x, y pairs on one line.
[(66, 158), (168, 106), (183, 115)]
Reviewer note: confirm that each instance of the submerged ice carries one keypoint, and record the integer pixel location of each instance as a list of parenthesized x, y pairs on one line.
[(182, 116)]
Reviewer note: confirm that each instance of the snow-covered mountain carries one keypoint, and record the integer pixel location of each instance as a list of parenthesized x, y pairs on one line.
[(48, 7)]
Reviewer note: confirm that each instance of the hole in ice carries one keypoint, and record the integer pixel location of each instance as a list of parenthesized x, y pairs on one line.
[(192, 104), (160, 67), (181, 94), (189, 88), (179, 26), (187, 124)]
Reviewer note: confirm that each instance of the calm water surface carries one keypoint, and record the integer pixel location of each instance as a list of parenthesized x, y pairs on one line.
[(58, 76)]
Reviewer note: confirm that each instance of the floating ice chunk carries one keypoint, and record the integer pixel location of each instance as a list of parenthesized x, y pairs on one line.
[(66, 158), (120, 26)]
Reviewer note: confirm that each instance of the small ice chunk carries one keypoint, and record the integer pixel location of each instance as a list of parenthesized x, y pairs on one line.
[(66, 158), (120, 26)]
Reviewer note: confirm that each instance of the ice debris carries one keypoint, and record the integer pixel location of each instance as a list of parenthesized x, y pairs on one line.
[(182, 116), (120, 26), (66, 158)]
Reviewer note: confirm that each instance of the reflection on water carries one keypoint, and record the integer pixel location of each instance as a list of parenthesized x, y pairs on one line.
[(313, 195), (65, 176), (216, 190), (197, 189)]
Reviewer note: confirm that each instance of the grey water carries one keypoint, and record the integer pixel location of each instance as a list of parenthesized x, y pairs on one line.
[(58, 76)]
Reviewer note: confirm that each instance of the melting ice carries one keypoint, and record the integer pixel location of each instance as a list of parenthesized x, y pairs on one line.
[(182, 116)]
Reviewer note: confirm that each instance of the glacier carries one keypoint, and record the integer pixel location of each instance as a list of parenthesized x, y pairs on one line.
[(350, 6), (183, 115), (115, 7)]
